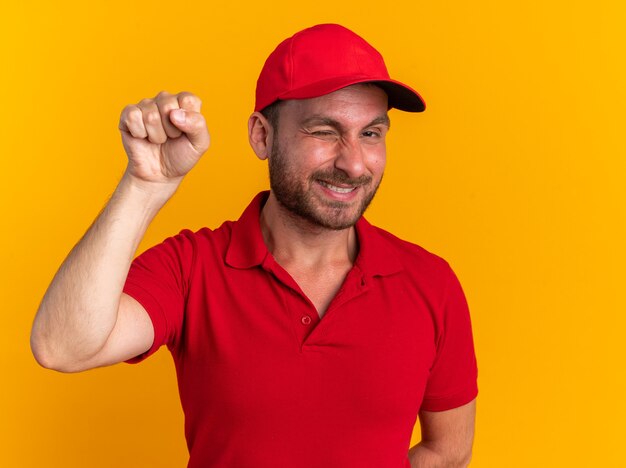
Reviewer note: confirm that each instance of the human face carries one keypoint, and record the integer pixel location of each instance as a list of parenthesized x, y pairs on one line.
[(328, 155)]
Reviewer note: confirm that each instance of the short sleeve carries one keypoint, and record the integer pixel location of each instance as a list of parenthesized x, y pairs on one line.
[(453, 377), (159, 280)]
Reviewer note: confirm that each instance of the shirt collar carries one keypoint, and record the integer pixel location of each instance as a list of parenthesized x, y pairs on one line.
[(377, 257), (247, 249)]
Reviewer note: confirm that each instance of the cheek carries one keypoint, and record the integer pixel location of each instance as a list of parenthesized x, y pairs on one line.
[(376, 160), (314, 153)]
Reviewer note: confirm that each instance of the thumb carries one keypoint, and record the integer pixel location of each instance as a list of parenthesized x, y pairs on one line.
[(193, 125)]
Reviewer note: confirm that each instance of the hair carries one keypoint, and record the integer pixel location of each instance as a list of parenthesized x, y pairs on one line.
[(271, 113)]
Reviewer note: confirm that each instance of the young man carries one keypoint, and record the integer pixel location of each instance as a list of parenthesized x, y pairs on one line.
[(302, 335)]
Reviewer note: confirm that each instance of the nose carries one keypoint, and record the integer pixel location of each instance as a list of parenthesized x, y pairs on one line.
[(351, 158)]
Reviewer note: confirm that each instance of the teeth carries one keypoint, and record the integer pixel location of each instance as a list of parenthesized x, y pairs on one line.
[(337, 189)]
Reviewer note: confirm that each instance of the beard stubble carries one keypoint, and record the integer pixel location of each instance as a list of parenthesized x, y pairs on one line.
[(294, 194)]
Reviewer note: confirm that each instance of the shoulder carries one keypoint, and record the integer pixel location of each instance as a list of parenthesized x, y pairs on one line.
[(413, 258), (202, 236), (183, 248), (409, 266)]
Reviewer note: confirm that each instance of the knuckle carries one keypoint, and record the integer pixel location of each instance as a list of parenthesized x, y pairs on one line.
[(131, 121), (188, 99), (168, 106), (128, 111), (152, 117), (133, 114), (167, 103)]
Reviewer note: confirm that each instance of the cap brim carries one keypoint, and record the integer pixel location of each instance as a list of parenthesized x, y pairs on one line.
[(401, 96)]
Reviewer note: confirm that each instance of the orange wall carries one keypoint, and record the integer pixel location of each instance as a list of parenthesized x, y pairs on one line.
[(515, 174)]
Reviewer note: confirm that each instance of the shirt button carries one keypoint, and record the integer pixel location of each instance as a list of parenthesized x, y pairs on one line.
[(306, 320)]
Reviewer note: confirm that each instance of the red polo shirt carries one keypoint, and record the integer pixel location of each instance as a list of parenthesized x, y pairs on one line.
[(265, 383)]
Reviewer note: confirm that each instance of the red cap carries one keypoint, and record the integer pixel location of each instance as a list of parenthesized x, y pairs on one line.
[(323, 59)]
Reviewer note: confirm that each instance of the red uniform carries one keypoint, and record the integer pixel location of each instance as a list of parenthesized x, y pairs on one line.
[(265, 383)]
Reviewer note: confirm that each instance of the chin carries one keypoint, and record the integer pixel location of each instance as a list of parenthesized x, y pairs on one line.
[(336, 216)]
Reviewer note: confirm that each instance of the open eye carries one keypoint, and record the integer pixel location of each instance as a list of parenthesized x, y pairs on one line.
[(371, 134)]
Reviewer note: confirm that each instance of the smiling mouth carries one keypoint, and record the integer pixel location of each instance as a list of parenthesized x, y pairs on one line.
[(335, 188)]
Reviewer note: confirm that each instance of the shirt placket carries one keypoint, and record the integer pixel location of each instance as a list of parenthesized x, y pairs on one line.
[(306, 322), (300, 309)]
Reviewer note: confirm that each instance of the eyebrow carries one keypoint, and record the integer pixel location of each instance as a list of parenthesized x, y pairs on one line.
[(324, 120)]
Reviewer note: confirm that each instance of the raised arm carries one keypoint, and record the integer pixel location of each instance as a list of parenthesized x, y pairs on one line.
[(447, 438), (84, 319)]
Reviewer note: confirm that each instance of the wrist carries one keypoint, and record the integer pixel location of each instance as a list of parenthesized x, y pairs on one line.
[(148, 192)]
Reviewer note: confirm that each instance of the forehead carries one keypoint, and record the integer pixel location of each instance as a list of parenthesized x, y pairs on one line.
[(356, 102)]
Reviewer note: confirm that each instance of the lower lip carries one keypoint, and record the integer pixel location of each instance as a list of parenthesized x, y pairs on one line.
[(348, 196)]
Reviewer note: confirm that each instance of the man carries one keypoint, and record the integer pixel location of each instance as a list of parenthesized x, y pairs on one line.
[(302, 335)]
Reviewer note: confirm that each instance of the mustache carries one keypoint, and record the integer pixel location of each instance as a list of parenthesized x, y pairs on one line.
[(336, 176)]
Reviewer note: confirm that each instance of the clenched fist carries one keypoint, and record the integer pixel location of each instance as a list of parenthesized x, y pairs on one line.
[(164, 137)]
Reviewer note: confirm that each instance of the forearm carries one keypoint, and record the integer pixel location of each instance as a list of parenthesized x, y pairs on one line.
[(79, 309), (424, 455)]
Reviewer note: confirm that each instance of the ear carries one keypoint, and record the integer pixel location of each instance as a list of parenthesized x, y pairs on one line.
[(260, 134)]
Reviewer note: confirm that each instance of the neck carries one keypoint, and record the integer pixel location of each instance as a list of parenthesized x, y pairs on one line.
[(292, 239)]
